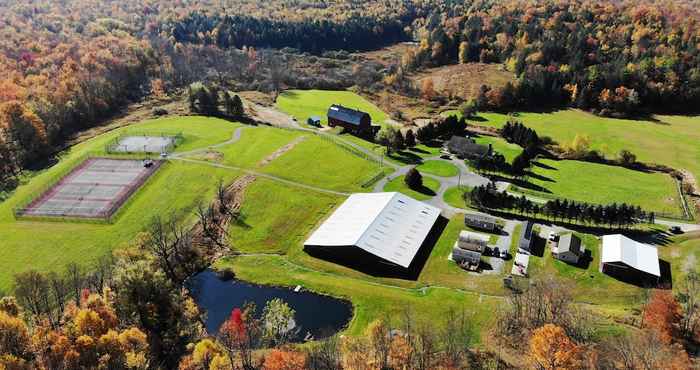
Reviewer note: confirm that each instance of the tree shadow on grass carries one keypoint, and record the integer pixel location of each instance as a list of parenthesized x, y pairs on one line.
[(406, 157), (425, 191), (418, 150), (539, 177), (545, 166), (653, 237)]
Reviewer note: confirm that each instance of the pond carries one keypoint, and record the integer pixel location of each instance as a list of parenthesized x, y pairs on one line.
[(317, 316)]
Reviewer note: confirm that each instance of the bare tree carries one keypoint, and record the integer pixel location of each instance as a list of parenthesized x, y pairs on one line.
[(689, 299), (33, 292), (169, 242), (60, 289), (325, 355), (75, 277)]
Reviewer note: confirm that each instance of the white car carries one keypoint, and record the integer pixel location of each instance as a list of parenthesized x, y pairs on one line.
[(553, 236)]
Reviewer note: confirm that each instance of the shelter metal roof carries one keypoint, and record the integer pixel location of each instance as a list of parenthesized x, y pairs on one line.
[(619, 248), (391, 226)]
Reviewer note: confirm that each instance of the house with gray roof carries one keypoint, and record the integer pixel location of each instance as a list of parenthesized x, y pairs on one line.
[(568, 249), (467, 148)]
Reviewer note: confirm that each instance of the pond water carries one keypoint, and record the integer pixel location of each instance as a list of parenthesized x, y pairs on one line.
[(316, 315)]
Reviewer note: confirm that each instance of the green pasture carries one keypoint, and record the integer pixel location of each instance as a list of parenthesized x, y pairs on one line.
[(603, 184), (668, 140), (255, 144), (303, 104), (429, 190), (277, 217), (317, 161)]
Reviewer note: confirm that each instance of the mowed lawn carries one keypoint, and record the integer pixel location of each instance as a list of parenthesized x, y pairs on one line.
[(276, 217), (318, 162), (429, 190), (256, 143), (453, 196), (438, 168), (303, 104), (176, 187), (671, 140), (604, 184)]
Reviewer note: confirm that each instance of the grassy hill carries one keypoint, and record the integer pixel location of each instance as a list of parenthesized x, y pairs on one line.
[(604, 184), (669, 140)]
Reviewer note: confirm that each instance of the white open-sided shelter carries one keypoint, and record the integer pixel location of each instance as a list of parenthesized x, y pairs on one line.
[(391, 226), (621, 253)]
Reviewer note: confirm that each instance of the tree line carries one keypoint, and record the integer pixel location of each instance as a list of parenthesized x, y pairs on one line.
[(625, 58), (610, 215), (309, 35)]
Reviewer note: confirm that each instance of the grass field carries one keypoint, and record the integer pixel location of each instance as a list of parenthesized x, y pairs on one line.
[(670, 140), (430, 188), (255, 144), (277, 217), (176, 187), (453, 196), (603, 184), (438, 168), (303, 104), (319, 162)]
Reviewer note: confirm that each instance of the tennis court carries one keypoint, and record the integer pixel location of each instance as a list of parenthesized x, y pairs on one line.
[(94, 189)]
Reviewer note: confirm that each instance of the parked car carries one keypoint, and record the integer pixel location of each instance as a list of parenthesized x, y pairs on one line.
[(676, 230), (504, 254), (553, 236)]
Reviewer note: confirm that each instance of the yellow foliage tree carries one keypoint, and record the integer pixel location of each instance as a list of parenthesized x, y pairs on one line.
[(14, 336)]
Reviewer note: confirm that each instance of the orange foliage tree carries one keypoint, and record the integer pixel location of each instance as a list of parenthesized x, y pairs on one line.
[(280, 359), (552, 349), (662, 314)]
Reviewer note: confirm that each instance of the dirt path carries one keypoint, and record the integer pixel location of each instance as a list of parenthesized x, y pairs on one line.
[(277, 153), (269, 115), (234, 138)]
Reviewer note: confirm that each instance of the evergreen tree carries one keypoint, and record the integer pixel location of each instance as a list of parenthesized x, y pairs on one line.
[(410, 140), (414, 179)]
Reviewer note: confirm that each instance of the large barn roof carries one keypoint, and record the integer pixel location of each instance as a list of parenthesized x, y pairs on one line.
[(619, 248), (391, 226), (345, 114)]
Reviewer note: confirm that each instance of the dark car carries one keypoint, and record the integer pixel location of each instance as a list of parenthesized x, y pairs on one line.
[(676, 230)]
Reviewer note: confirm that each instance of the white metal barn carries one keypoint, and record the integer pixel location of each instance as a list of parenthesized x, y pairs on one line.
[(391, 226), (622, 255)]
